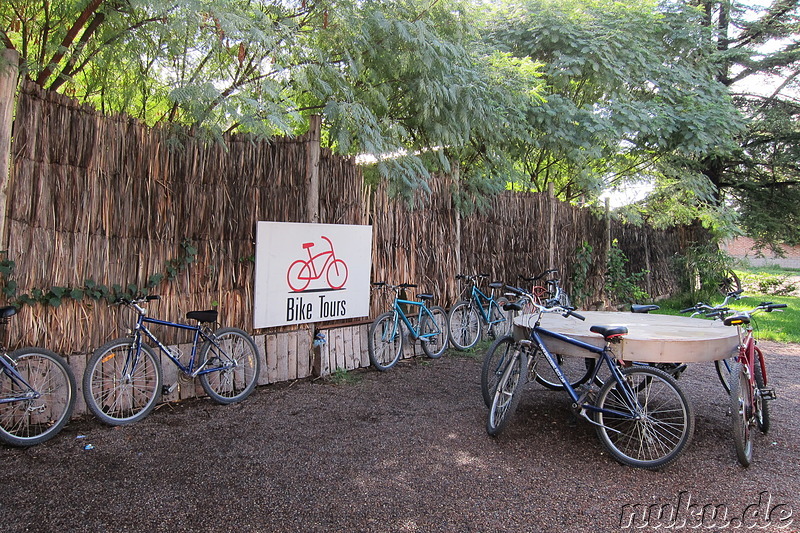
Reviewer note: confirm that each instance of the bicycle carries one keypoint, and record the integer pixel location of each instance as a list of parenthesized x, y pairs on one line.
[(722, 366), (303, 271), (123, 378), (428, 325), (551, 291), (641, 415), (575, 369), (749, 393), (37, 393), (467, 317)]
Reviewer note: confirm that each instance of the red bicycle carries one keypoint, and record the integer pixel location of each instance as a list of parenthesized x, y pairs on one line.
[(748, 383), (303, 271)]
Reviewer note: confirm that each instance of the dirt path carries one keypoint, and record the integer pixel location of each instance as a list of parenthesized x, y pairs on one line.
[(401, 451)]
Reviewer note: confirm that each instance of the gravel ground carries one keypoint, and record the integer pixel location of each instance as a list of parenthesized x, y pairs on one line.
[(404, 450)]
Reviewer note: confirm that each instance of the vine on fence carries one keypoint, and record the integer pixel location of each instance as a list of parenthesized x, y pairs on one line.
[(580, 276), (619, 284), (91, 290)]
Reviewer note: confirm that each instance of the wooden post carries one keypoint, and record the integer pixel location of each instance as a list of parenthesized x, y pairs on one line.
[(312, 167), (9, 75), (551, 254), (313, 151), (457, 181), (607, 247)]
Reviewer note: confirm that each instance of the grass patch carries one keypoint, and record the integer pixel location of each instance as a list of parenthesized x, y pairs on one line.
[(341, 376), (771, 280), (476, 352), (779, 326)]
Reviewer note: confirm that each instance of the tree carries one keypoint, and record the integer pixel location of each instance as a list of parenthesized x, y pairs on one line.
[(630, 92), (759, 62), (389, 77)]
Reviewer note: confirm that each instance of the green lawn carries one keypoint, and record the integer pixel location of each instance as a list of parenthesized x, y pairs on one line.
[(780, 326)]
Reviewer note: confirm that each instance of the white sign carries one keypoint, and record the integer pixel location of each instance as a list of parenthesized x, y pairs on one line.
[(311, 272)]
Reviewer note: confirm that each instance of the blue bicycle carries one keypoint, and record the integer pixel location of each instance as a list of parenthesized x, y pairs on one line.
[(37, 393), (468, 317), (123, 379), (427, 323), (640, 413)]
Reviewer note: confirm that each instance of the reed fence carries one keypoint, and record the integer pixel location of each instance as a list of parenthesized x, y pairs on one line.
[(108, 199)]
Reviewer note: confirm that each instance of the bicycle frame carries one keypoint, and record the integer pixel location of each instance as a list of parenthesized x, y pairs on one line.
[(198, 333), (312, 261), (604, 356), (8, 368), (423, 309), (479, 298)]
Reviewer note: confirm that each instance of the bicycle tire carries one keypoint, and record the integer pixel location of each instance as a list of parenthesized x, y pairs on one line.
[(578, 370), (339, 270), (32, 421), (507, 394), (494, 361), (385, 341), (294, 276), (723, 367), (762, 405), (464, 325), (237, 357), (665, 423), (741, 402), (434, 346), (119, 399)]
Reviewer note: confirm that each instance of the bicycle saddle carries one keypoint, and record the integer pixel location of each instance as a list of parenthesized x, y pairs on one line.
[(425, 296), (736, 320), (202, 316), (610, 332), (496, 285), (512, 306), (637, 308), (7, 311)]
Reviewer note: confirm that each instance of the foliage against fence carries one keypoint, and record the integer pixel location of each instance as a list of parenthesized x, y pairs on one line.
[(109, 200)]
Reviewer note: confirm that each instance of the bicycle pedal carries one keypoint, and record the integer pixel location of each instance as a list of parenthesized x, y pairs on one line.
[(582, 398), (167, 390), (767, 394)]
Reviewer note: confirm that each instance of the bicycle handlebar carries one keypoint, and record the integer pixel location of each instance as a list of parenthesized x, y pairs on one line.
[(571, 312), (540, 276), (126, 301)]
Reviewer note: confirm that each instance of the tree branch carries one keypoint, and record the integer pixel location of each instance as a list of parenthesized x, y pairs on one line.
[(67, 41)]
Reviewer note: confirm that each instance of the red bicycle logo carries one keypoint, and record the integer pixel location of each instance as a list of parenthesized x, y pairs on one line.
[(303, 271)]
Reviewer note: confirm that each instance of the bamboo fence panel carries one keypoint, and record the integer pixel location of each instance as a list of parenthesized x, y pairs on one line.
[(106, 198)]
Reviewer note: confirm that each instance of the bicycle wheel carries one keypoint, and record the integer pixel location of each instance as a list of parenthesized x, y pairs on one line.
[(577, 370), (299, 275), (723, 367), (741, 410), (464, 325), (337, 274), (563, 299), (762, 405), (120, 386), (385, 341), (728, 283), (507, 394), (652, 431), (35, 419), (494, 362), (230, 364), (501, 321), (434, 325)]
